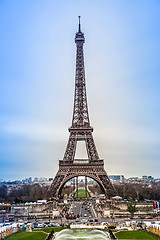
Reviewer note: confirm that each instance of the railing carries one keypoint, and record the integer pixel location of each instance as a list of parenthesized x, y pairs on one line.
[(81, 128), (80, 161)]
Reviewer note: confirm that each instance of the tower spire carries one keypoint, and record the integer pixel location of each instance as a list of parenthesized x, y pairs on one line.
[(80, 110), (79, 28)]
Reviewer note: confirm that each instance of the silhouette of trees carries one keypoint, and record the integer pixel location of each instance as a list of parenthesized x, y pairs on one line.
[(129, 191), (28, 193), (138, 191), (3, 193)]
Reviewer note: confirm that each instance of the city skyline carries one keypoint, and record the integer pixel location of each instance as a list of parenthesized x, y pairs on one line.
[(37, 84)]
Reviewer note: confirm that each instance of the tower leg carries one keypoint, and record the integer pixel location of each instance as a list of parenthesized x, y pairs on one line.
[(86, 186), (77, 186)]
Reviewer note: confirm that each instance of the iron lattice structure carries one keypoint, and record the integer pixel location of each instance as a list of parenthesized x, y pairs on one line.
[(80, 130)]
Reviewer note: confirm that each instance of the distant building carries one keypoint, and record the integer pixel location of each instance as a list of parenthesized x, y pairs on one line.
[(144, 177), (117, 178), (157, 180), (150, 178), (30, 179), (35, 179), (50, 179), (133, 180)]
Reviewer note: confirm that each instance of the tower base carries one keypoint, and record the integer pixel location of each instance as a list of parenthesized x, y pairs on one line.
[(67, 171)]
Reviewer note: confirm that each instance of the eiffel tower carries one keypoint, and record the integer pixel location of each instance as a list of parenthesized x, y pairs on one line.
[(80, 130)]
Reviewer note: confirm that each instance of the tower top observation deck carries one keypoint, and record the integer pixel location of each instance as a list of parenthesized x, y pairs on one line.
[(79, 35)]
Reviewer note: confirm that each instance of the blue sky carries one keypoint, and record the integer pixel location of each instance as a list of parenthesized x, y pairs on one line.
[(37, 68)]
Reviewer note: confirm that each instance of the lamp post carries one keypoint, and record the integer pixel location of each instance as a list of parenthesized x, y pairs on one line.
[(61, 218)]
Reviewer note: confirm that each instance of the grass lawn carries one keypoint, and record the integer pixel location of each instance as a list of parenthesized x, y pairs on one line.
[(28, 236), (136, 235), (81, 193), (37, 234)]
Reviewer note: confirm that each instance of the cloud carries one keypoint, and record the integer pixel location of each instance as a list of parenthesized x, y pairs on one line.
[(31, 130)]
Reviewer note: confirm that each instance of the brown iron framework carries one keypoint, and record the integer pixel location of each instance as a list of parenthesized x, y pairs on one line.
[(80, 130)]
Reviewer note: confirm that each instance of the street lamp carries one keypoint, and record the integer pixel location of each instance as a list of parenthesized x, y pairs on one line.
[(61, 218)]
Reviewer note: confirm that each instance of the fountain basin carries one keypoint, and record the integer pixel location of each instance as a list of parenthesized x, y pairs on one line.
[(81, 234)]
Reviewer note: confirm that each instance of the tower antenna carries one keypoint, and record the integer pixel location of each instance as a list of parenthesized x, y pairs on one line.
[(79, 29)]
